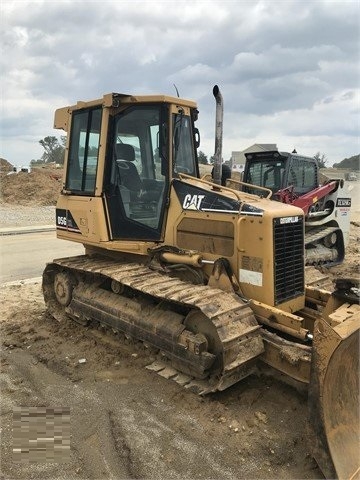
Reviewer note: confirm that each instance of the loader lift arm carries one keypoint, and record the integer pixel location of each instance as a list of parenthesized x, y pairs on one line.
[(307, 200)]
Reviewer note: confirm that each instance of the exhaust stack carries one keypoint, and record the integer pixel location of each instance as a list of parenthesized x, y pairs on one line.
[(218, 135)]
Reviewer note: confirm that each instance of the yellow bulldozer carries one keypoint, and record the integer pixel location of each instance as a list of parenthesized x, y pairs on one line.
[(211, 276)]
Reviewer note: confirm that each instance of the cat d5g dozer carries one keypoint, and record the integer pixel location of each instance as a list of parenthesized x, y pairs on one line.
[(211, 276)]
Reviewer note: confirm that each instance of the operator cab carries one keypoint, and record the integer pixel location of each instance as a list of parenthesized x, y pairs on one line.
[(280, 170), (149, 141)]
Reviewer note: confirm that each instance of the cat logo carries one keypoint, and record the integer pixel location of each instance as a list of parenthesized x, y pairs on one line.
[(193, 202)]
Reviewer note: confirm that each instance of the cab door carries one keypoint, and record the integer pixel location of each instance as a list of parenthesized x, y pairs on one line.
[(136, 184)]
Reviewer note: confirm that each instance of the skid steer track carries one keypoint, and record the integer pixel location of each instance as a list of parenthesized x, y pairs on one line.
[(316, 252), (210, 337)]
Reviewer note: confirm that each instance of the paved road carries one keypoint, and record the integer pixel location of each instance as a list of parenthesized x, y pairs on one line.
[(25, 256)]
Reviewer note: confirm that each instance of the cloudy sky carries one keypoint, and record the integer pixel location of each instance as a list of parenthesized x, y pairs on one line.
[(288, 70)]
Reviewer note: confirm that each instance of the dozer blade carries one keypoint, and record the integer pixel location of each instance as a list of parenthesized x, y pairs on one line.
[(334, 398)]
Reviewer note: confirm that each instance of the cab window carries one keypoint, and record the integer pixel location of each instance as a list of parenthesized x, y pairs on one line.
[(184, 160), (303, 175), (83, 151), (265, 174)]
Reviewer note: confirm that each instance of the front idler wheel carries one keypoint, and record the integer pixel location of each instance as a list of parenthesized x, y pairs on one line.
[(63, 287)]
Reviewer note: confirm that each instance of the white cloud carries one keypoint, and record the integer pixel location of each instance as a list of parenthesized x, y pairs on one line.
[(288, 71)]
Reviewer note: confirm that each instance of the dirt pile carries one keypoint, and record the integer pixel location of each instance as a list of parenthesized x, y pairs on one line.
[(5, 166), (40, 187)]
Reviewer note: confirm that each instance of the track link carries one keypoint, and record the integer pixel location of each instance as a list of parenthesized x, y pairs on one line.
[(210, 337), (316, 253)]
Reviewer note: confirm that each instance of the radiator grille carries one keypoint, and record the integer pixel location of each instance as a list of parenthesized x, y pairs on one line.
[(288, 258)]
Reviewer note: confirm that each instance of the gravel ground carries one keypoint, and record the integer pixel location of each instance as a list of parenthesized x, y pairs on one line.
[(26, 216)]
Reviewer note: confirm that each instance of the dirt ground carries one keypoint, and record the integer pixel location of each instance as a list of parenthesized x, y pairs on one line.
[(128, 422)]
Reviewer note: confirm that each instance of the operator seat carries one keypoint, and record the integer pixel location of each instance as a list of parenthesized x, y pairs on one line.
[(129, 176)]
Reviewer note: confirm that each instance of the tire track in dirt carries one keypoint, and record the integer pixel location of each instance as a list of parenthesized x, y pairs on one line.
[(123, 448)]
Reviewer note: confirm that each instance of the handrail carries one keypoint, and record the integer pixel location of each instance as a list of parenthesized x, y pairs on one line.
[(255, 187), (239, 195), (214, 186)]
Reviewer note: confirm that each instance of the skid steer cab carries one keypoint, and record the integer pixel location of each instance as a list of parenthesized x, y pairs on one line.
[(295, 180), (213, 277)]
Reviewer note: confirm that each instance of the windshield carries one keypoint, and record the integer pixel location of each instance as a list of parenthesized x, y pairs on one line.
[(184, 160), (267, 174)]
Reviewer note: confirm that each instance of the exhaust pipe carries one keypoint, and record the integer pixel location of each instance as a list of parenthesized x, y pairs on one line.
[(217, 172)]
